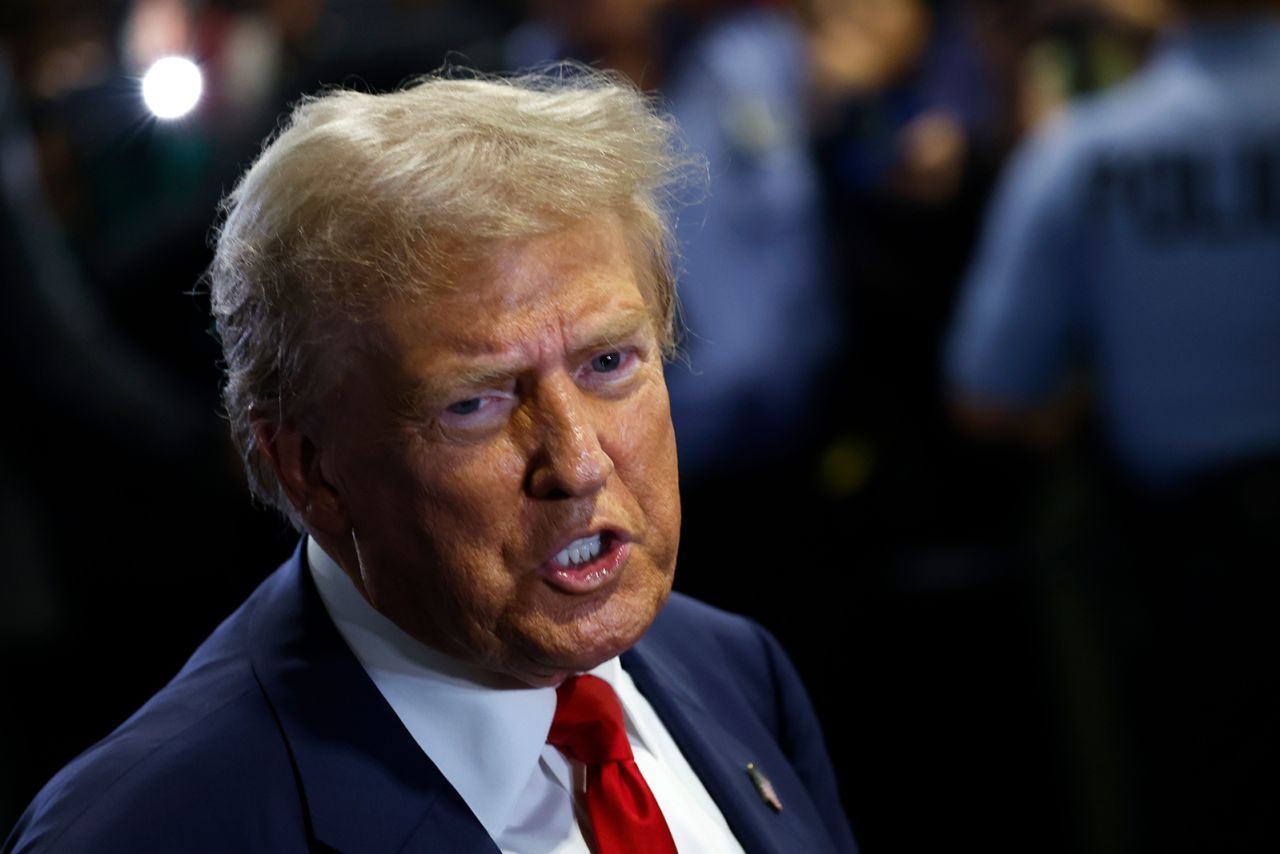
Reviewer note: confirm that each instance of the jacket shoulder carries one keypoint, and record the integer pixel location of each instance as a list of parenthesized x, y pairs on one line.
[(202, 766)]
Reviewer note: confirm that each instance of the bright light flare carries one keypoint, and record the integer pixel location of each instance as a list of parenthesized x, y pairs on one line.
[(171, 87)]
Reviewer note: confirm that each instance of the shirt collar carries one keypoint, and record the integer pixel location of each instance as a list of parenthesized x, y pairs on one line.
[(485, 736), (1235, 39)]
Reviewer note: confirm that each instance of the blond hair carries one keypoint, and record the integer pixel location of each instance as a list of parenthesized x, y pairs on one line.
[(361, 199)]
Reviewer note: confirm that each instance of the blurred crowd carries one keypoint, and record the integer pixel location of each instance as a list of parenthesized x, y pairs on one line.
[(978, 403)]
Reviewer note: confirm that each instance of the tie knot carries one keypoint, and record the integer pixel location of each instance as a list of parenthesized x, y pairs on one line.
[(588, 724)]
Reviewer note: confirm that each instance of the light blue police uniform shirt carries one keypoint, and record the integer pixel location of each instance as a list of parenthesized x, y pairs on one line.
[(756, 291), (1138, 237)]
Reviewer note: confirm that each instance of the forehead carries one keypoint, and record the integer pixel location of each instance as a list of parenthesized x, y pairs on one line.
[(524, 273), (525, 295)]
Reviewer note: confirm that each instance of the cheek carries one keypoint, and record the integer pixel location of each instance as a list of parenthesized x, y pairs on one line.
[(462, 500), (646, 453), (648, 426), (461, 479), (461, 543)]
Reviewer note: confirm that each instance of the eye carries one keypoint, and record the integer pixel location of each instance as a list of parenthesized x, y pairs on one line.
[(482, 409), (473, 410), (607, 362)]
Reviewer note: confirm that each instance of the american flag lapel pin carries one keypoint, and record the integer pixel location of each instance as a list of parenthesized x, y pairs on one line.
[(764, 787)]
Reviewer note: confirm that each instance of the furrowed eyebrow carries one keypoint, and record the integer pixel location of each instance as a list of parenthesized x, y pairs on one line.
[(619, 328), (429, 395)]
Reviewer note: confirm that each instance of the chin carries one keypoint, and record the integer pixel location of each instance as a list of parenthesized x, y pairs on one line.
[(613, 631), (586, 642)]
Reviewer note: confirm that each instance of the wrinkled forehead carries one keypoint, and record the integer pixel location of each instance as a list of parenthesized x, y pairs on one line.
[(587, 276), (584, 272), (446, 272)]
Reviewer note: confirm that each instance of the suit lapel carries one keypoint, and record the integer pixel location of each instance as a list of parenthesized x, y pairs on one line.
[(366, 784), (718, 757)]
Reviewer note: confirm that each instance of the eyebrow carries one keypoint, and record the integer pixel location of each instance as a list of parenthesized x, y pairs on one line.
[(618, 328), (428, 394), (438, 390)]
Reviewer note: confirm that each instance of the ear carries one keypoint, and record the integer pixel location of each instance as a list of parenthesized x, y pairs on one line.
[(295, 457)]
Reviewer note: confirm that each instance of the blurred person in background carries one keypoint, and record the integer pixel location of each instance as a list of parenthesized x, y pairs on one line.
[(908, 129), (907, 133), (80, 396), (1129, 268), (68, 360), (1072, 48)]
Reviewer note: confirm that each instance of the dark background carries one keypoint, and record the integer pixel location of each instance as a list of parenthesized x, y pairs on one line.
[(938, 591)]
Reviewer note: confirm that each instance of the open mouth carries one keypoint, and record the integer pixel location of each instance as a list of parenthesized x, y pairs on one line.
[(587, 563)]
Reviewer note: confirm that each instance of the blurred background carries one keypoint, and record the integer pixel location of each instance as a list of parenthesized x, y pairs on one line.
[(979, 409)]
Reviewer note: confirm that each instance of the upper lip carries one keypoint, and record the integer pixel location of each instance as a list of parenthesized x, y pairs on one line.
[(614, 534)]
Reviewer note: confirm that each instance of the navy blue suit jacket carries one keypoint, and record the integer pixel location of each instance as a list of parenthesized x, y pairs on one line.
[(273, 738)]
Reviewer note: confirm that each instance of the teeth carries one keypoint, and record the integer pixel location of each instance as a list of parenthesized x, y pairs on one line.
[(579, 551)]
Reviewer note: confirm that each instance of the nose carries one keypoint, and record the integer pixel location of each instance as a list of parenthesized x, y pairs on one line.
[(569, 461)]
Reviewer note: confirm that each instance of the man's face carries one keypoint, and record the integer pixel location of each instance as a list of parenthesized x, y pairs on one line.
[(508, 467)]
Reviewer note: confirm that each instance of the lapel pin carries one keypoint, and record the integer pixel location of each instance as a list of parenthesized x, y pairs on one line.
[(764, 787)]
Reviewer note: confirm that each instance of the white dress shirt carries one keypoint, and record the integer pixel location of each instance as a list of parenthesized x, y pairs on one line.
[(489, 739)]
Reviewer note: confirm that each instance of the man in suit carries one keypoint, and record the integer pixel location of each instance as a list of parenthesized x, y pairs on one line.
[(444, 313)]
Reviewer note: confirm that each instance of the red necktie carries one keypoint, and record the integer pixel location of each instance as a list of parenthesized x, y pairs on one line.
[(588, 727)]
